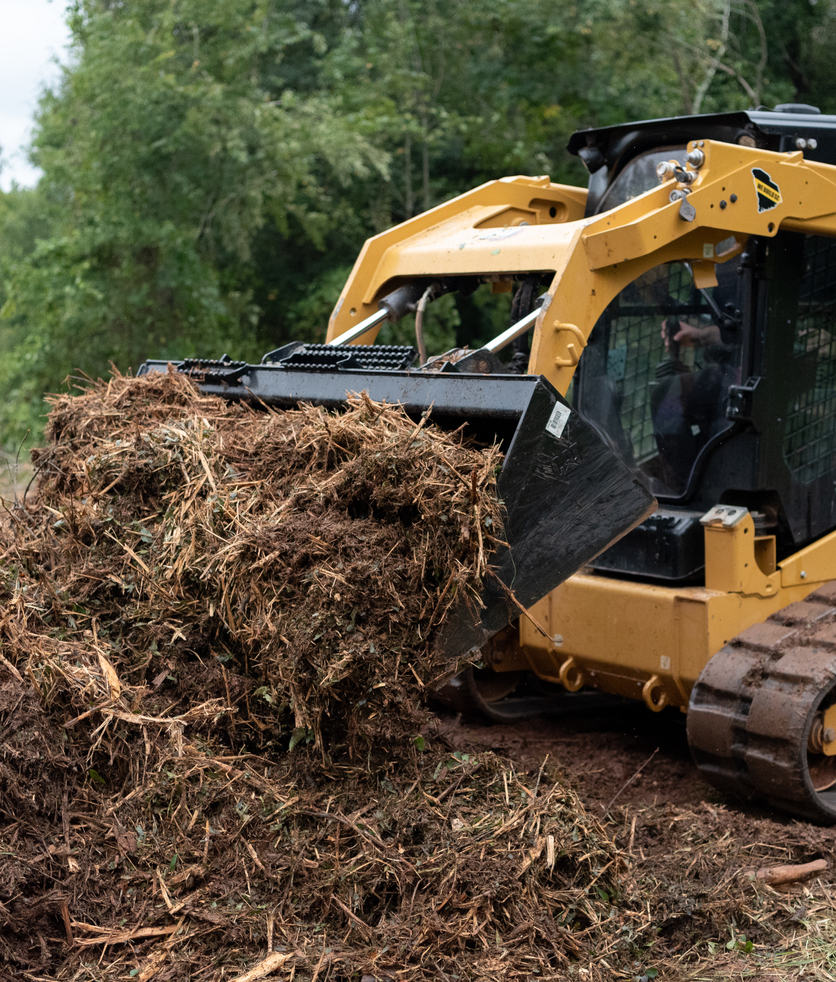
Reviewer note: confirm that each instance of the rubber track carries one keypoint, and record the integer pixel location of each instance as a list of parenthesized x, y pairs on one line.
[(753, 706)]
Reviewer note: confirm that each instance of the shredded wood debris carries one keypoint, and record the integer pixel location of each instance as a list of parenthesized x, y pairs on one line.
[(216, 638), (216, 761)]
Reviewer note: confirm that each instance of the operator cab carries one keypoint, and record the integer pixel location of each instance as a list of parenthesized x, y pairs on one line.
[(663, 357), (719, 395)]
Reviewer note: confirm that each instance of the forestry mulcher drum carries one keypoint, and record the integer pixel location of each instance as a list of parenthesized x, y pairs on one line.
[(676, 321)]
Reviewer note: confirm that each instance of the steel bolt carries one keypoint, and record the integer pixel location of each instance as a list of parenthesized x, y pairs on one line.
[(696, 158), (801, 143), (665, 170), (829, 735)]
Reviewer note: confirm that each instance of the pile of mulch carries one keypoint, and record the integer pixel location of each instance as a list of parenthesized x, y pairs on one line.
[(300, 560), (216, 761)]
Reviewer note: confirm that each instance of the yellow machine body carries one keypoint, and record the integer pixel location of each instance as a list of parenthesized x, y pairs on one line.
[(632, 638), (652, 642)]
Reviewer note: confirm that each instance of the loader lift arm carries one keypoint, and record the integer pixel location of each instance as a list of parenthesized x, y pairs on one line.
[(701, 214)]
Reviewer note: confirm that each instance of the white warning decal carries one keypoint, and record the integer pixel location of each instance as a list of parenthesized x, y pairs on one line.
[(558, 419)]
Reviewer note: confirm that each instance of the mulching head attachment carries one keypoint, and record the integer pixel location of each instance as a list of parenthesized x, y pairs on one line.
[(567, 496)]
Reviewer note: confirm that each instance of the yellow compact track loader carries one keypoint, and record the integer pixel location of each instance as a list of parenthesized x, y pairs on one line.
[(676, 322)]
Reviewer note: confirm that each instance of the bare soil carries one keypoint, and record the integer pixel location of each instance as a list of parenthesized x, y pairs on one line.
[(691, 847), (599, 752)]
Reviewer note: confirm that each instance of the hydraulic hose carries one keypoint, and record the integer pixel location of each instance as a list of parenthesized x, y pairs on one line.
[(419, 323)]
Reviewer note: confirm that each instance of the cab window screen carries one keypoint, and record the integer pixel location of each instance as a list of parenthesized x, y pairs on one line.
[(810, 432), (656, 374)]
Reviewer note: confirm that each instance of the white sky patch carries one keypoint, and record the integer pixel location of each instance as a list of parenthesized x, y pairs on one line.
[(32, 34)]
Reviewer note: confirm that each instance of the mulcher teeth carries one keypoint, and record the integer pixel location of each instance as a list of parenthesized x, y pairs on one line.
[(331, 358)]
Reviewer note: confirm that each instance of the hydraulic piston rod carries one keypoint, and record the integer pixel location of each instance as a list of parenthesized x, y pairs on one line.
[(514, 331), (392, 308), (360, 329)]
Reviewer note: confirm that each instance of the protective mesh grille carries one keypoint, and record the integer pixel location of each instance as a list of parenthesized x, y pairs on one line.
[(810, 433), (638, 341), (637, 346)]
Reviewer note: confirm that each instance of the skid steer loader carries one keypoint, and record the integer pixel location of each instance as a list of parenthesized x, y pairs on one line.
[(681, 314)]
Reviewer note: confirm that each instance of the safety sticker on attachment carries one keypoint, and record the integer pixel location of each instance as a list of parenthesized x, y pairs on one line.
[(769, 194), (558, 419)]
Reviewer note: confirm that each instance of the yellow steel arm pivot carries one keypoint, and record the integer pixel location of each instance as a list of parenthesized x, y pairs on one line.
[(527, 225)]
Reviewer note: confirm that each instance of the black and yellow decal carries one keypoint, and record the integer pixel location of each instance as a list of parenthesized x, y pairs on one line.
[(769, 194)]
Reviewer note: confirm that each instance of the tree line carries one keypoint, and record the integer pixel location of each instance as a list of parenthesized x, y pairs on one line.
[(212, 167)]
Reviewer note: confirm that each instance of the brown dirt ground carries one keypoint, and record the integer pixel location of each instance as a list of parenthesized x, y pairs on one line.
[(599, 752), (685, 839)]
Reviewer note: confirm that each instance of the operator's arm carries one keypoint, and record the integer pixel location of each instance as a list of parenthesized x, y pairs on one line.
[(693, 337)]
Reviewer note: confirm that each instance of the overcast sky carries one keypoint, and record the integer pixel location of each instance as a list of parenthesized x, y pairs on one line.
[(32, 35)]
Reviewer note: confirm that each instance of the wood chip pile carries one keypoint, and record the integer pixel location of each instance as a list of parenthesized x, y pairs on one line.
[(216, 633)]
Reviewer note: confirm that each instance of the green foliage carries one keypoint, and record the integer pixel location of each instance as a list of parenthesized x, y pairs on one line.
[(311, 311), (212, 167), (441, 321), (740, 943), (170, 143)]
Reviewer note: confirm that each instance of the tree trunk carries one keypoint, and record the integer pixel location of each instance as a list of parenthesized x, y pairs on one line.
[(425, 163), (409, 197)]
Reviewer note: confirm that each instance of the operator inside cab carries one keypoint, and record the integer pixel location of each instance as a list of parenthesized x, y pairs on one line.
[(655, 378), (688, 398)]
